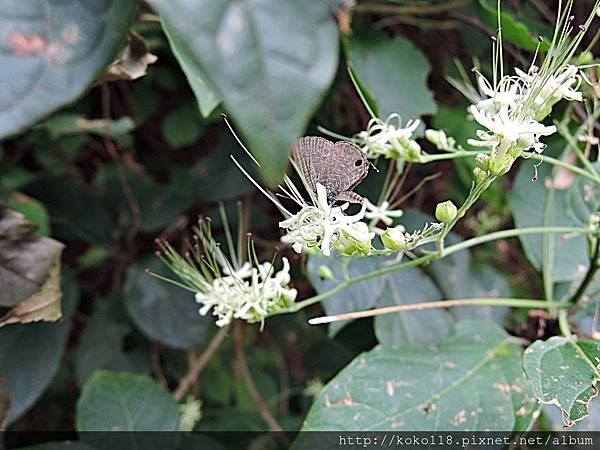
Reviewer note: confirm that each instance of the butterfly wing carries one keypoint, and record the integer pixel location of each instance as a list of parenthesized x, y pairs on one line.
[(338, 167)]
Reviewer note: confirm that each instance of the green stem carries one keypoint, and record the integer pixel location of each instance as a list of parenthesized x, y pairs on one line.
[(571, 167), (575, 146), (433, 256), (563, 322), (589, 276)]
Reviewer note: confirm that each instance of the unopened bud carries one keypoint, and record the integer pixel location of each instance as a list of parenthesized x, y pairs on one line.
[(479, 175), (482, 161), (445, 212), (394, 239)]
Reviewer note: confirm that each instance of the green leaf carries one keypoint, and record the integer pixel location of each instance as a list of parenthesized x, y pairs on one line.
[(33, 211), (112, 401), (183, 126), (468, 382), (529, 200), (583, 199), (69, 202), (29, 271), (513, 31), (53, 51), (102, 342), (30, 353), (164, 312), (71, 124), (361, 296), (205, 95), (427, 327), (564, 372), (457, 276), (393, 72), (271, 61)]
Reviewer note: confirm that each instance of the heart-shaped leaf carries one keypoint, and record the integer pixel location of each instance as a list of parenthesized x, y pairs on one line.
[(393, 72), (52, 51), (271, 62), (125, 402), (564, 372), (471, 381), (30, 353)]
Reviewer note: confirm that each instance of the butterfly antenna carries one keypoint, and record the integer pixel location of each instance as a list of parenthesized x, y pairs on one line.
[(224, 116), (279, 206), (373, 166)]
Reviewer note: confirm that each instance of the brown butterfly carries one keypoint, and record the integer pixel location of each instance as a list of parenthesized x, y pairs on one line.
[(338, 167)]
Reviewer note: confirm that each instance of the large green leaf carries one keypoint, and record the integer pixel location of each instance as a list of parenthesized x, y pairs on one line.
[(162, 311), (564, 372), (52, 51), (270, 61), (30, 353), (471, 381), (102, 342), (112, 401), (532, 206), (393, 72), (361, 296), (424, 327), (205, 95)]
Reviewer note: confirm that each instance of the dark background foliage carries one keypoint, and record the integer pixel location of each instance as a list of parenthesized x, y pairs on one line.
[(127, 161)]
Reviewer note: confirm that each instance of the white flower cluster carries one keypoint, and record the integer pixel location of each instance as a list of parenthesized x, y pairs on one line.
[(389, 139), (511, 111), (249, 293), (323, 226)]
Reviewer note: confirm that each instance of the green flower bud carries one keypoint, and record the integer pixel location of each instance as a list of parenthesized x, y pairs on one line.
[(435, 137), (413, 151), (356, 240), (499, 166), (394, 239), (325, 273), (479, 175), (482, 161), (515, 152), (446, 211)]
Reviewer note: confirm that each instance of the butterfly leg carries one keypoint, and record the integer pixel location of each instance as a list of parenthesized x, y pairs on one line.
[(349, 196)]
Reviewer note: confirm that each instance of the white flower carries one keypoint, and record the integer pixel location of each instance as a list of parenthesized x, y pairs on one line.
[(382, 213), (506, 130), (388, 138), (321, 225), (250, 293), (559, 86)]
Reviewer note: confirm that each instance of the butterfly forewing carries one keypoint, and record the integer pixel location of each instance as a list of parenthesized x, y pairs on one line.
[(338, 167)]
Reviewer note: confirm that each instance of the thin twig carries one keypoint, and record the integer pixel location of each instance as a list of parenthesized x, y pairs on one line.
[(242, 365), (111, 149), (515, 302), (194, 372), (589, 276), (156, 367)]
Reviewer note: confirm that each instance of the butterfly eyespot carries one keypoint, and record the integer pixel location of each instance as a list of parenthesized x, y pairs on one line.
[(358, 163)]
